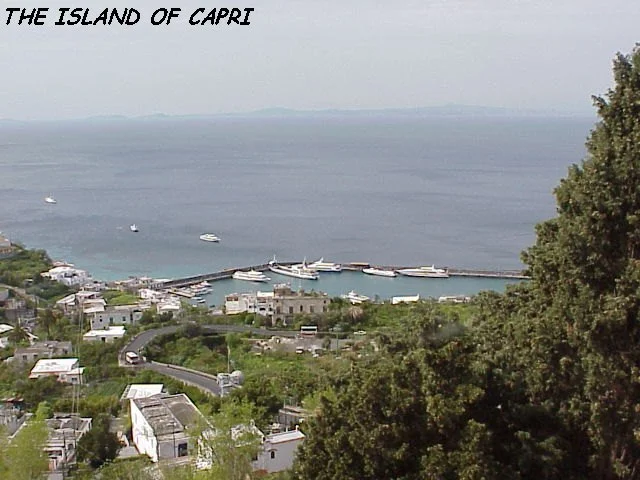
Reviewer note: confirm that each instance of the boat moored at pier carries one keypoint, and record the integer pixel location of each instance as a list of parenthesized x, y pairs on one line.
[(424, 272), (379, 272), (250, 276), (297, 271), (322, 266)]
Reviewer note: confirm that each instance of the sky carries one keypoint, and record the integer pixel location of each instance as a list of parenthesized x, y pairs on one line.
[(316, 54)]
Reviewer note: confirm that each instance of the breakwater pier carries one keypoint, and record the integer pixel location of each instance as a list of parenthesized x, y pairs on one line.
[(227, 273)]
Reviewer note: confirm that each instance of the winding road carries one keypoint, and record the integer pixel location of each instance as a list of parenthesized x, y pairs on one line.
[(204, 381)]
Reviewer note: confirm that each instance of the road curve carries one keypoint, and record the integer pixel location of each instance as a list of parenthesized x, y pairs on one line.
[(203, 381)]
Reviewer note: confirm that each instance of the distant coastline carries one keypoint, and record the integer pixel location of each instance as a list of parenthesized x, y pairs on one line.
[(448, 110)]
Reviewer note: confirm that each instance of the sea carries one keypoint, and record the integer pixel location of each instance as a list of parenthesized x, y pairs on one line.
[(453, 191)]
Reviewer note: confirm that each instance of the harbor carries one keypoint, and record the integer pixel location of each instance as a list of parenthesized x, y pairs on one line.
[(460, 282)]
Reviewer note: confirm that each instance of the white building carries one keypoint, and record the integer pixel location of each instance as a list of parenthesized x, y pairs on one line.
[(257, 302), (141, 390), (68, 275), (66, 369), (407, 299), (116, 315), (161, 424), (278, 451), (106, 335)]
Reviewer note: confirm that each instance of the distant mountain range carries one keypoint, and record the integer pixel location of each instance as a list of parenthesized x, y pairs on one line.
[(441, 110)]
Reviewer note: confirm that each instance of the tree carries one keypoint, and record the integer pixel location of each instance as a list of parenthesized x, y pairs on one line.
[(585, 270), (99, 445), (25, 458)]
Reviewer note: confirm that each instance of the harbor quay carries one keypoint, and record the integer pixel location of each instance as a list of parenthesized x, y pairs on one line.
[(227, 273)]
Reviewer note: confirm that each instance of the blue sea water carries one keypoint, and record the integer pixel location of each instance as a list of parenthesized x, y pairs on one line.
[(463, 192)]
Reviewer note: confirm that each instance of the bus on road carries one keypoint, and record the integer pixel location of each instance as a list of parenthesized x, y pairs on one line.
[(132, 358)]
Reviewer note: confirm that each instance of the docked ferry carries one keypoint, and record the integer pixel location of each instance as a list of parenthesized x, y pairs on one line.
[(297, 271), (250, 276), (322, 266), (425, 272), (379, 272)]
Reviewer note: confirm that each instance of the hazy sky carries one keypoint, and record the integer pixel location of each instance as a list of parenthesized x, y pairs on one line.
[(317, 54)]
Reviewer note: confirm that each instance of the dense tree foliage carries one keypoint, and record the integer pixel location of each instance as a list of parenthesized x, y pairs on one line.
[(545, 380), (99, 445)]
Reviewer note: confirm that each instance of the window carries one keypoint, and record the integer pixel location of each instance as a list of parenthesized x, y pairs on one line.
[(291, 310), (273, 454), (182, 449), (301, 309), (310, 308), (278, 309), (324, 309)]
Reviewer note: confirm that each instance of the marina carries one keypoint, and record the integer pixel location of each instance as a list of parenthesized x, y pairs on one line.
[(460, 283)]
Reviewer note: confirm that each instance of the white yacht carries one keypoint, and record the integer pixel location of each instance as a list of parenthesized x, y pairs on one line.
[(379, 272), (355, 298), (250, 276), (133, 227), (426, 272), (209, 237), (322, 266), (50, 200), (297, 271)]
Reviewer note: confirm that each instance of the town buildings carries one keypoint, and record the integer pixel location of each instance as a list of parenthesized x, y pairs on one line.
[(106, 335), (68, 275), (66, 370), (281, 305), (161, 425), (39, 350), (65, 430)]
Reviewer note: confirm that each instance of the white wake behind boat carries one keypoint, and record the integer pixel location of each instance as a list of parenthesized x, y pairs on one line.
[(250, 276), (322, 266), (296, 271), (425, 272), (355, 298), (50, 200), (379, 272), (133, 227), (209, 237)]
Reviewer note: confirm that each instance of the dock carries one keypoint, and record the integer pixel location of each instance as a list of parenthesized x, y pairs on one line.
[(353, 267)]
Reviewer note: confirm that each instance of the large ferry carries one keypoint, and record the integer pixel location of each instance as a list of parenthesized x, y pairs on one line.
[(426, 272), (379, 272), (297, 271), (250, 276), (322, 266)]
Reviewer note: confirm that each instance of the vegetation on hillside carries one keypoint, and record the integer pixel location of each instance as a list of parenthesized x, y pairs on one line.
[(545, 381)]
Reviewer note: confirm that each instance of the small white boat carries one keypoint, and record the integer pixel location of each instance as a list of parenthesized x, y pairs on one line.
[(50, 200), (296, 271), (250, 276), (425, 272), (133, 227), (322, 266), (202, 300), (355, 298), (379, 272), (209, 237)]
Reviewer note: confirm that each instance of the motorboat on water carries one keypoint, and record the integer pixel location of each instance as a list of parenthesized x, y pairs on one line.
[(133, 227), (250, 276), (379, 272), (209, 237), (322, 266), (50, 200), (425, 272), (355, 298), (297, 271)]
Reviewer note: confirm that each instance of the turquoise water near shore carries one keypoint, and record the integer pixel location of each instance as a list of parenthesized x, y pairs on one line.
[(336, 284)]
